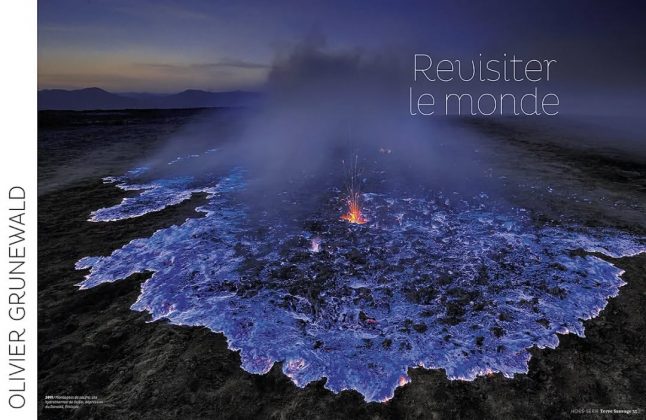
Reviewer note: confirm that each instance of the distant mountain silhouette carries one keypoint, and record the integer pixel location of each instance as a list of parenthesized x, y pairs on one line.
[(96, 98), (90, 98)]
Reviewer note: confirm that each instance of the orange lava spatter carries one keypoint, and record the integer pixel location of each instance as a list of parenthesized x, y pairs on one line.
[(354, 211)]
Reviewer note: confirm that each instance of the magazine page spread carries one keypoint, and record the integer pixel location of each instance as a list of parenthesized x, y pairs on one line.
[(327, 210)]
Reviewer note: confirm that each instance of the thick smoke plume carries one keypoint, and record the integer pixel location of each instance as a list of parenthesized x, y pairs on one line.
[(322, 107)]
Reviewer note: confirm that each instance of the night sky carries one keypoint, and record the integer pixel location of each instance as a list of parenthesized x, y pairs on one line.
[(169, 46)]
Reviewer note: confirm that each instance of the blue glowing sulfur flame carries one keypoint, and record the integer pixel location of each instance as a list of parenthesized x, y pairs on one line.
[(467, 288)]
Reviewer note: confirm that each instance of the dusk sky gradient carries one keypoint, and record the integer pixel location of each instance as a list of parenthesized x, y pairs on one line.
[(169, 46)]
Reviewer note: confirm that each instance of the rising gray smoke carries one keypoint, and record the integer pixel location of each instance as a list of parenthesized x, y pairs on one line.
[(321, 107)]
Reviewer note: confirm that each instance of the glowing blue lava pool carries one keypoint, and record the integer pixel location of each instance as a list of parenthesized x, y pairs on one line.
[(467, 285)]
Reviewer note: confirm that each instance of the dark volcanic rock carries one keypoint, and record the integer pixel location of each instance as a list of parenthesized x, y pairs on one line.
[(355, 256)]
